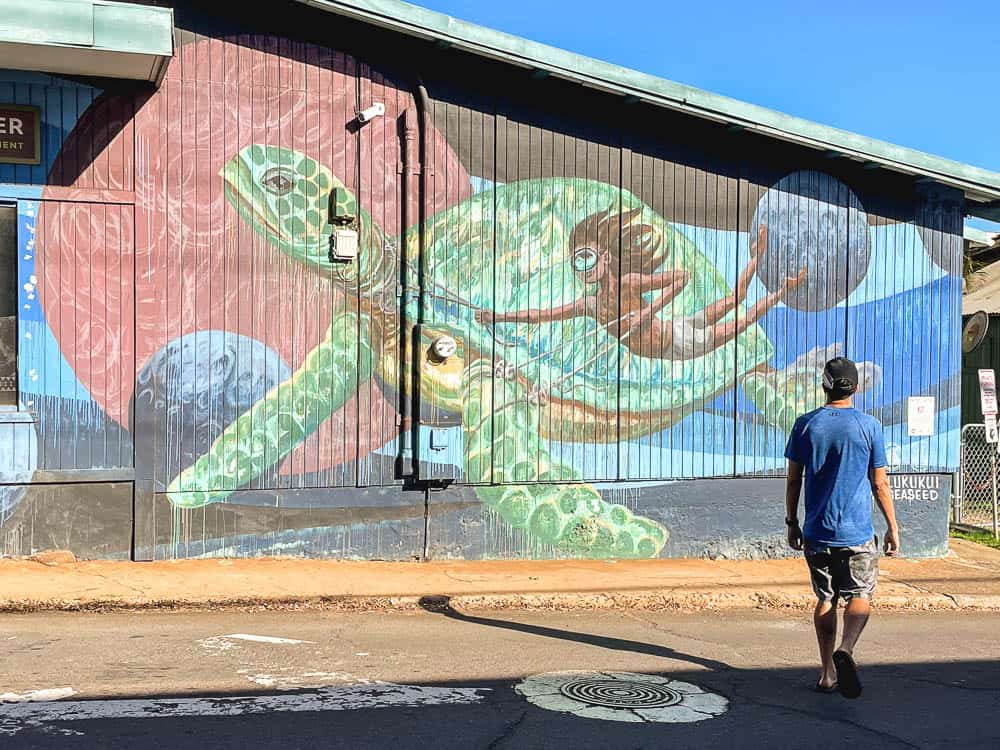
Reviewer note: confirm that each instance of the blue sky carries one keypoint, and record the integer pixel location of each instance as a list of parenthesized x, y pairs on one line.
[(921, 74)]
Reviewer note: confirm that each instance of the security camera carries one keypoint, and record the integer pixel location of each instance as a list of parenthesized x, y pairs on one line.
[(376, 110)]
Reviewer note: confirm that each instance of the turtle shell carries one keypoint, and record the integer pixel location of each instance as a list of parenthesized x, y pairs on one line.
[(508, 249)]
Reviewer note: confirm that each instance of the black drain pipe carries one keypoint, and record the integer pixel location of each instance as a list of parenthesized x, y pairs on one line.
[(423, 109), (414, 176)]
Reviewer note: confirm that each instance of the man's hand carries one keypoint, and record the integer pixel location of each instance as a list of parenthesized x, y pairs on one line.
[(795, 537), (891, 543), (793, 488), (883, 496)]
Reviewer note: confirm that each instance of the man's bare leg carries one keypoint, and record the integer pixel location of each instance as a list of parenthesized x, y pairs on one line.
[(855, 618), (825, 621)]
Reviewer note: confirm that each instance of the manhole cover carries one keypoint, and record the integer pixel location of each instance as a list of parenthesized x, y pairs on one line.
[(622, 696), (620, 693)]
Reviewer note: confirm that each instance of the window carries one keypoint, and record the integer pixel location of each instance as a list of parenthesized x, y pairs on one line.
[(8, 306)]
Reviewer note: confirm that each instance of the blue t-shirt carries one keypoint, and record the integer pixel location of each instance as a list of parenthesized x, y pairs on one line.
[(838, 449)]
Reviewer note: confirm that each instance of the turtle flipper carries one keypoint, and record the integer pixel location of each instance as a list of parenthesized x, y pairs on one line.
[(272, 428), (569, 519), (784, 395)]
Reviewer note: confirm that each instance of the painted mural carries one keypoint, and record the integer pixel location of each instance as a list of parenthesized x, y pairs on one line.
[(606, 351)]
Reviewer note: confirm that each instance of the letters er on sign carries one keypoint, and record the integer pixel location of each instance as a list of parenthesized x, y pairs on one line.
[(11, 126), (19, 134)]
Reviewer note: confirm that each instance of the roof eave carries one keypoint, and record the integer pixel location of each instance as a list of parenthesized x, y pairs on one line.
[(87, 37), (978, 185)]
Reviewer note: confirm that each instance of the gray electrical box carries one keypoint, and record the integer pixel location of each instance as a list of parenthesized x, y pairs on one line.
[(441, 441)]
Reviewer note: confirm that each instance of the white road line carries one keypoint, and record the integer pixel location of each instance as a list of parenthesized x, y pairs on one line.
[(218, 644), (16, 717), (284, 679), (48, 694), (260, 638)]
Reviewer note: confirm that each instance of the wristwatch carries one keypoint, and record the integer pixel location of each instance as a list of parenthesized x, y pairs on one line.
[(791, 522)]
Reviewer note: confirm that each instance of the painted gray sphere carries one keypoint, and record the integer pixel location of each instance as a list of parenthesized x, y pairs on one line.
[(197, 385), (814, 221), (939, 225)]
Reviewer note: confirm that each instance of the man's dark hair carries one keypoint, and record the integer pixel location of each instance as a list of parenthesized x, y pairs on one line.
[(840, 378)]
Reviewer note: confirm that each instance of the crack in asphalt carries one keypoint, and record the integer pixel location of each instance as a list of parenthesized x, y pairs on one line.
[(680, 636), (920, 589), (107, 579), (835, 719), (508, 731), (973, 688)]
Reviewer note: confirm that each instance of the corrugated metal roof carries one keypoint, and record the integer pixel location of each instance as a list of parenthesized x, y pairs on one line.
[(983, 291), (981, 186), (980, 239), (87, 38)]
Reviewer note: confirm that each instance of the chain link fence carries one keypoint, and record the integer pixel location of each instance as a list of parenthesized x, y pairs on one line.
[(978, 490)]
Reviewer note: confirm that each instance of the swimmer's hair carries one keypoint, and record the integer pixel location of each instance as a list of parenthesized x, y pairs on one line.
[(605, 230)]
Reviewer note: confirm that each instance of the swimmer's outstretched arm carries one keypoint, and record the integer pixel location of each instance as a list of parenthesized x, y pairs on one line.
[(563, 312), (651, 281)]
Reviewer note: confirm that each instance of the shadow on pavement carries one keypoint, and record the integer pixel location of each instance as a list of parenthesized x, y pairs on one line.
[(912, 705), (442, 605)]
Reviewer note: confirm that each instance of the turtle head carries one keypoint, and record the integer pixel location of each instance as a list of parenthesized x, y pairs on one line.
[(284, 195)]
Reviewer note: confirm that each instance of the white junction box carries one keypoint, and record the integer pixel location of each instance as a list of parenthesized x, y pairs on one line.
[(344, 244)]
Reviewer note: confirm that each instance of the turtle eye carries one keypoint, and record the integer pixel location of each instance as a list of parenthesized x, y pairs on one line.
[(278, 180), (584, 259)]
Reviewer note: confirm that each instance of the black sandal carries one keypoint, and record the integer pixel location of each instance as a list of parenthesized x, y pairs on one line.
[(821, 689), (847, 674)]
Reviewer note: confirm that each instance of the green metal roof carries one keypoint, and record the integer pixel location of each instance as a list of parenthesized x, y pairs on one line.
[(980, 237), (86, 37), (981, 186)]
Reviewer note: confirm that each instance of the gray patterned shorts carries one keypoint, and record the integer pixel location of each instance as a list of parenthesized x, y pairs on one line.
[(843, 572)]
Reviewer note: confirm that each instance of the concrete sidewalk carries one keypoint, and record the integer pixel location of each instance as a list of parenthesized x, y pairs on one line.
[(968, 578)]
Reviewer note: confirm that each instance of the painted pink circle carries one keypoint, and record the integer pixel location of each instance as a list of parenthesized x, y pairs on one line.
[(196, 265)]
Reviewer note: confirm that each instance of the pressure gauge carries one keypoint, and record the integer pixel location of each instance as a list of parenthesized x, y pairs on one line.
[(444, 346)]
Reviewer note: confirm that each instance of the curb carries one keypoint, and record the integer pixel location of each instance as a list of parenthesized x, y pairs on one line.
[(646, 600)]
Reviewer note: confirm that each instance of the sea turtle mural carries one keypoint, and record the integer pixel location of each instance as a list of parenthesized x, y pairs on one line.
[(583, 314)]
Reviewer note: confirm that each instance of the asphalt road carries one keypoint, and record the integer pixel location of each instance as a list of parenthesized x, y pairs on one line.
[(443, 679)]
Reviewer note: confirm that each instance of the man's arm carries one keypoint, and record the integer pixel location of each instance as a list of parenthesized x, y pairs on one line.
[(883, 496), (883, 491), (793, 490)]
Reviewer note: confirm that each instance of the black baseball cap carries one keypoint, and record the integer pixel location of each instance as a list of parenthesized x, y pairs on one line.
[(840, 377)]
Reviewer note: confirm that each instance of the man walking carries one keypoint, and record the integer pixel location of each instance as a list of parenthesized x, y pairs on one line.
[(840, 453)]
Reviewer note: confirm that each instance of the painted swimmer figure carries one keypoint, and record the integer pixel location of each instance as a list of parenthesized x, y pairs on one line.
[(618, 303)]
